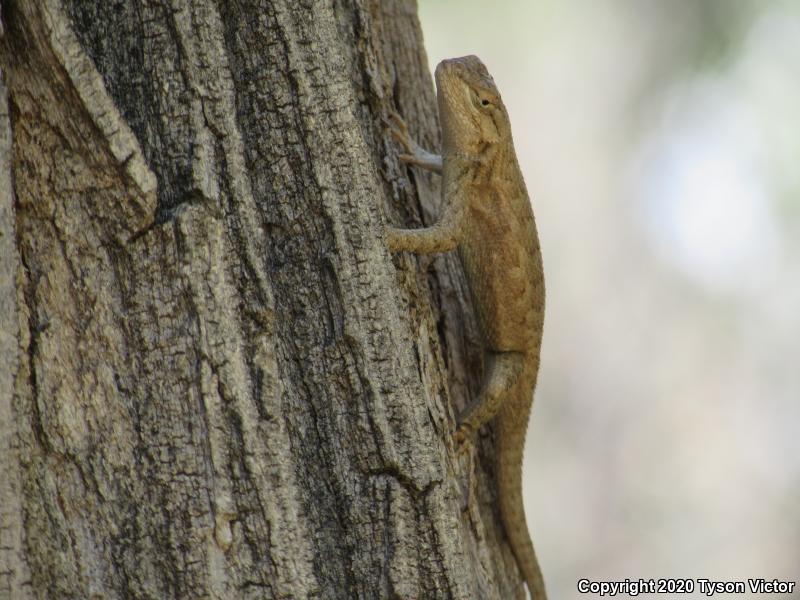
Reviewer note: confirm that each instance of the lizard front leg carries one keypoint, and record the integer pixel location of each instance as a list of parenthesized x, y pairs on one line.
[(415, 154), (447, 233)]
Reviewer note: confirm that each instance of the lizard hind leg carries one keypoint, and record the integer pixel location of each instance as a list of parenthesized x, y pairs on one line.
[(503, 373)]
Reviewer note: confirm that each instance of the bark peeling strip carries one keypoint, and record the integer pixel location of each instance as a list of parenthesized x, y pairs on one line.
[(92, 91)]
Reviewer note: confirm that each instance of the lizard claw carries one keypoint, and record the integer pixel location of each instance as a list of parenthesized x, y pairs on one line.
[(399, 131), (463, 438)]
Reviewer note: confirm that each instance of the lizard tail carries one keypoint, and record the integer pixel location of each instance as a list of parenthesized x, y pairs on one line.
[(511, 440)]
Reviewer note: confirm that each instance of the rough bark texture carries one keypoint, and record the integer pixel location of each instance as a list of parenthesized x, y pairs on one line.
[(215, 382)]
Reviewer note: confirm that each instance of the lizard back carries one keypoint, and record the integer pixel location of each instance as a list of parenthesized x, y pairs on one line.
[(502, 260)]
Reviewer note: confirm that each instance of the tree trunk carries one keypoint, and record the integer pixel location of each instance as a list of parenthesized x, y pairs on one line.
[(214, 380)]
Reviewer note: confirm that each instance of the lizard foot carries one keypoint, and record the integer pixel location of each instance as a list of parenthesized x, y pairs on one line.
[(463, 438), (399, 131)]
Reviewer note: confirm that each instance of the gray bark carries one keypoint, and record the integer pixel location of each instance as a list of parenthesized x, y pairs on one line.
[(214, 380)]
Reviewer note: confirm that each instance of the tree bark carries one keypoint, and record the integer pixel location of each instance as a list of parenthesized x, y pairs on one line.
[(214, 380)]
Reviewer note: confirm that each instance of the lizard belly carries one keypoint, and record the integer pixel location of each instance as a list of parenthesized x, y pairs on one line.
[(503, 266)]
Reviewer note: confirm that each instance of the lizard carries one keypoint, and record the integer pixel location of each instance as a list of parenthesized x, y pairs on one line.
[(487, 216)]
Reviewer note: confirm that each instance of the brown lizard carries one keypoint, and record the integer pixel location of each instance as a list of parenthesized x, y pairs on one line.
[(488, 217)]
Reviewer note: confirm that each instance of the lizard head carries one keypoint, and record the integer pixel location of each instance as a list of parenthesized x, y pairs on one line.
[(471, 111)]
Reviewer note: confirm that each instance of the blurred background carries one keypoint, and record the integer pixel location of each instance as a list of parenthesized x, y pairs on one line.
[(660, 141)]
